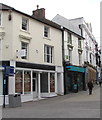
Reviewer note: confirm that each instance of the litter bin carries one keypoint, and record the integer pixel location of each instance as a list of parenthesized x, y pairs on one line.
[(14, 100)]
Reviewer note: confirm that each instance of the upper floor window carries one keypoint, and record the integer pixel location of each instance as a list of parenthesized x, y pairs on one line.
[(24, 48), (48, 54), (79, 59), (46, 31), (86, 55), (70, 56), (25, 24), (79, 43), (69, 36), (90, 58)]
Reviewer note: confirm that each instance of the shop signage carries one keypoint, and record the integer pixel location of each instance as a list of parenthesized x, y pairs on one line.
[(8, 70), (75, 68)]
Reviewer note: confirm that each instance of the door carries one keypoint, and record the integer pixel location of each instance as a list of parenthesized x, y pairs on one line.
[(34, 84)]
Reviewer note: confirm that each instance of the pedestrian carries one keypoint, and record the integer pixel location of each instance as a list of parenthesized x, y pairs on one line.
[(90, 87), (100, 83)]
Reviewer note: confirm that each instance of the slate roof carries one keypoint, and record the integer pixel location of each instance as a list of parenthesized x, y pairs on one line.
[(4, 7), (67, 24)]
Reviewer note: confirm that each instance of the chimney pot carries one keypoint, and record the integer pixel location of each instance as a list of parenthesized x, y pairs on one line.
[(37, 7)]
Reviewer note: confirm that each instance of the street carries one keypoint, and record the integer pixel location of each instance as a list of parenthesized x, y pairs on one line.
[(73, 105)]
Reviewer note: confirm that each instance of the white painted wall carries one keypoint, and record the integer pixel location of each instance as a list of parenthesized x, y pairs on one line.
[(12, 41), (37, 40), (88, 39), (75, 55)]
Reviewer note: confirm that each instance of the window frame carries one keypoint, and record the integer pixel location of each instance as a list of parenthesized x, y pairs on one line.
[(25, 24), (69, 38), (80, 59), (48, 54), (26, 48), (79, 43), (70, 55), (46, 31)]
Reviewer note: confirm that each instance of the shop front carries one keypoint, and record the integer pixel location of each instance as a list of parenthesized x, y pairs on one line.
[(74, 79), (34, 81)]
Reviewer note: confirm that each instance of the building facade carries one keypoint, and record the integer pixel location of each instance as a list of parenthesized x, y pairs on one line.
[(73, 59), (33, 46), (89, 49)]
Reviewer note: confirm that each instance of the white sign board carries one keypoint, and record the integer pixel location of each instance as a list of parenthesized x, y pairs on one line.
[(22, 53)]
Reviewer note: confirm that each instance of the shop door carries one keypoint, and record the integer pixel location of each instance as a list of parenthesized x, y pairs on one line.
[(34, 84)]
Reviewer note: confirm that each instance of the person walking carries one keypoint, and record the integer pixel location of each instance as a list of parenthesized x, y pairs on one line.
[(90, 87), (100, 83)]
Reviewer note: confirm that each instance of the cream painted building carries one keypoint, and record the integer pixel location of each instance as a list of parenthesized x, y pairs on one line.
[(89, 48), (33, 45), (73, 56)]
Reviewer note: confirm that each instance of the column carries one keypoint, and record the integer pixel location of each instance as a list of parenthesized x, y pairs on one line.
[(31, 82), (56, 82), (48, 82), (39, 86), (12, 79), (62, 84)]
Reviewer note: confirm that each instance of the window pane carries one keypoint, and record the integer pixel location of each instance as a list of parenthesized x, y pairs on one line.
[(48, 58), (46, 31), (48, 54), (24, 24), (24, 46), (48, 50), (52, 82), (69, 38), (27, 82), (19, 81)]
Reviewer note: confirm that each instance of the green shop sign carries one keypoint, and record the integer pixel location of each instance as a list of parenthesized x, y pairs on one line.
[(75, 68)]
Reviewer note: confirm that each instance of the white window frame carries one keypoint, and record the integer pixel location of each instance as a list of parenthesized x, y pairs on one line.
[(46, 31), (48, 57), (25, 24), (26, 49), (79, 43), (70, 55), (80, 59), (69, 37)]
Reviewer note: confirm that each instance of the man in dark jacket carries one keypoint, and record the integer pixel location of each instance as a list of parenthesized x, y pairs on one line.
[(90, 87)]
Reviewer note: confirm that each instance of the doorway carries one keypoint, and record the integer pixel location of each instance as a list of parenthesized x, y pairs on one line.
[(34, 84)]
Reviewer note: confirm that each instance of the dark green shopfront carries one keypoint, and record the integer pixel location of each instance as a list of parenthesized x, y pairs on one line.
[(74, 79)]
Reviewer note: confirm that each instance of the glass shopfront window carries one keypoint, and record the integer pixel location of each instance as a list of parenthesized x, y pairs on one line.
[(19, 81), (52, 82), (27, 82)]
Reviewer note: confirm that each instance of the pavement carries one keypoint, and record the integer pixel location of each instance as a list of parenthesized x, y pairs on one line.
[(73, 105)]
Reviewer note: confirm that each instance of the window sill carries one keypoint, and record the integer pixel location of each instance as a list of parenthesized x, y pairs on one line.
[(49, 63), (46, 38), (25, 31)]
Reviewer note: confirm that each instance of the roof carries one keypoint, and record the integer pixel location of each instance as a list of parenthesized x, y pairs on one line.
[(4, 7), (67, 24)]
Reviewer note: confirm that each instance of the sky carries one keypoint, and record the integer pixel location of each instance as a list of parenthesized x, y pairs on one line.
[(70, 9)]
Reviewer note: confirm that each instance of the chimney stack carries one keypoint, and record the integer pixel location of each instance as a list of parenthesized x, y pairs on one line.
[(39, 13)]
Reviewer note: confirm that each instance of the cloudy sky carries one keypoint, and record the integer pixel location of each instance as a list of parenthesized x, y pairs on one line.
[(89, 9)]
